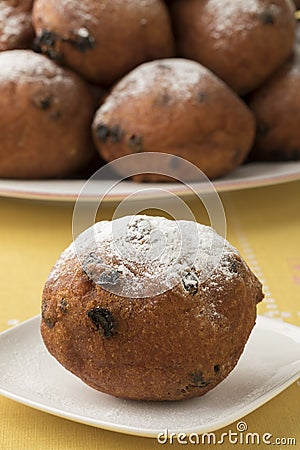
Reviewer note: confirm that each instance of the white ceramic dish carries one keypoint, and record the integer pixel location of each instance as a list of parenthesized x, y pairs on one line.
[(28, 374), (247, 176)]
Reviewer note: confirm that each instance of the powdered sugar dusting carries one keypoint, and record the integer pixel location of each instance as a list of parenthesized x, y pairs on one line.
[(91, 14), (13, 21), (221, 17), (146, 256), (10, 26), (18, 65), (83, 12), (176, 77)]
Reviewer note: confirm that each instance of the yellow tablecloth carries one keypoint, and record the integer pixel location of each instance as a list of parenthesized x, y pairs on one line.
[(263, 223)]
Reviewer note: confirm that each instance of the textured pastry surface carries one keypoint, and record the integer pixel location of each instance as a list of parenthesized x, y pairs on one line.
[(178, 343)]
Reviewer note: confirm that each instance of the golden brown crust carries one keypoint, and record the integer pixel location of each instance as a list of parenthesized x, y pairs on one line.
[(176, 345), (243, 42), (45, 118), (15, 24), (101, 39), (179, 107)]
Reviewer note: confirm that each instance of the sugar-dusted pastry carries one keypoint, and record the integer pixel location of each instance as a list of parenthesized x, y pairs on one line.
[(103, 39), (175, 106), (45, 116), (243, 42), (149, 309)]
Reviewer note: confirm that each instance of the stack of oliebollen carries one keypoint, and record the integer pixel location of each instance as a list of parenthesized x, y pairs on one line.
[(83, 82)]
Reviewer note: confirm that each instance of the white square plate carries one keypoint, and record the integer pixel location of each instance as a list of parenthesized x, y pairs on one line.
[(269, 364)]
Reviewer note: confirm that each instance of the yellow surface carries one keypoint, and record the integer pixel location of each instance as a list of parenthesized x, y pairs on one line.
[(263, 223)]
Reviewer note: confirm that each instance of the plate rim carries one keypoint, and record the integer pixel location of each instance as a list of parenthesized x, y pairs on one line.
[(142, 432), (223, 184)]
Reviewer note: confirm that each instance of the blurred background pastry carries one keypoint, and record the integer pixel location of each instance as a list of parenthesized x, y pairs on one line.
[(179, 107), (243, 42), (45, 118), (103, 39)]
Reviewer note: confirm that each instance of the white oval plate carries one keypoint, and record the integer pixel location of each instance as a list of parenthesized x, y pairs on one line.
[(246, 176), (269, 364)]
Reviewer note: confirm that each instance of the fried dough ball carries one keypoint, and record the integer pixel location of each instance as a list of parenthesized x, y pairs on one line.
[(45, 118), (276, 108), (178, 107), (243, 42), (173, 343), (103, 39)]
